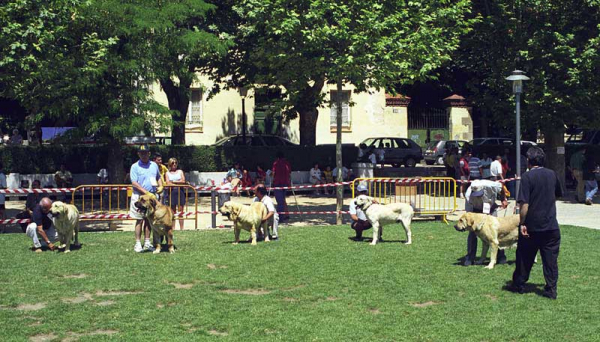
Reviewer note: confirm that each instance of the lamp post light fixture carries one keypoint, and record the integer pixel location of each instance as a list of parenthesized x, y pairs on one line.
[(243, 94), (517, 77)]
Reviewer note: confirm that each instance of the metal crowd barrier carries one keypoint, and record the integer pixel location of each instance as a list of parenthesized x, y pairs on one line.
[(112, 201), (429, 196)]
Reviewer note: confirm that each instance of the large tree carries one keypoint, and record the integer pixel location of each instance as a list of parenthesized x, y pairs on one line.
[(557, 44), (81, 62), (183, 36), (302, 45)]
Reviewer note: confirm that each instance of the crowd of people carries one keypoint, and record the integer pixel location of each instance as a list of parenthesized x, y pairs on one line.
[(466, 167)]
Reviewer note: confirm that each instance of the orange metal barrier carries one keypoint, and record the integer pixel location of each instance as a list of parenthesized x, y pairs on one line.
[(99, 199), (430, 196)]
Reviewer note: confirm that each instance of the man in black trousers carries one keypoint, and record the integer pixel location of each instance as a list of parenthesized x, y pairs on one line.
[(538, 227)]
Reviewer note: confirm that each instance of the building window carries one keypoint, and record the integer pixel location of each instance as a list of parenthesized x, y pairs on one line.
[(346, 122), (194, 116)]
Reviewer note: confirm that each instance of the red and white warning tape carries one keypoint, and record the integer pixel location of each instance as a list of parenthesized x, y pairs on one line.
[(178, 214), (217, 188)]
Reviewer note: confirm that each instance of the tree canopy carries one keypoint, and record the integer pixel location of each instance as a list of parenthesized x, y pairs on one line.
[(556, 43), (302, 45)]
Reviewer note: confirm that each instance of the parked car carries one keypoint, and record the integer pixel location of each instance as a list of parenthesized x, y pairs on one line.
[(435, 151), (495, 146), (398, 151), (254, 140), (581, 137)]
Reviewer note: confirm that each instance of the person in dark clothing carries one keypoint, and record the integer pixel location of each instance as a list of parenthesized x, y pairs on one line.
[(41, 230), (538, 228)]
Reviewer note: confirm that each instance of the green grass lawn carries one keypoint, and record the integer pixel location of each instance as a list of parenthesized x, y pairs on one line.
[(313, 284)]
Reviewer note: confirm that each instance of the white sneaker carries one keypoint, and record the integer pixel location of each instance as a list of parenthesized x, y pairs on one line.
[(138, 247), (149, 247)]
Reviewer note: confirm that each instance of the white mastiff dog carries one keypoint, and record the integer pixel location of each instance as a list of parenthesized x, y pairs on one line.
[(382, 214), (66, 221)]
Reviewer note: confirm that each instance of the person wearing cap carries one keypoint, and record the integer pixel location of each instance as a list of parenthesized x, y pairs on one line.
[(359, 219), (145, 178), (481, 198)]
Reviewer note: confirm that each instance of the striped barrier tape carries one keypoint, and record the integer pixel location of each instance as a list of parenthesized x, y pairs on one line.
[(180, 214), (217, 188)]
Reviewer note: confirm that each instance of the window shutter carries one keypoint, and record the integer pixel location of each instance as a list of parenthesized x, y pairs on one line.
[(195, 108)]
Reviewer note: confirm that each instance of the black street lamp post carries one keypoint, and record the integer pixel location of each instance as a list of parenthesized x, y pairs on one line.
[(517, 77), (243, 94)]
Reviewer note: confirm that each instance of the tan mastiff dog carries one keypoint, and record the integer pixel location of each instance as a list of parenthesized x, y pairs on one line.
[(66, 221), (246, 217), (497, 232), (160, 218)]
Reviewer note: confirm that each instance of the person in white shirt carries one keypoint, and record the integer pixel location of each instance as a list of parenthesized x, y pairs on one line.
[(103, 176), (315, 177), (481, 198), (344, 173), (272, 217), (359, 219), (496, 169)]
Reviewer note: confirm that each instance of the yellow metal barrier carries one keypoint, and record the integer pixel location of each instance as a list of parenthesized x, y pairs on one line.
[(114, 199), (430, 196)]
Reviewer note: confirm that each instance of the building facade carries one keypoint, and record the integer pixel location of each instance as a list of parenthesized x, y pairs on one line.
[(364, 115)]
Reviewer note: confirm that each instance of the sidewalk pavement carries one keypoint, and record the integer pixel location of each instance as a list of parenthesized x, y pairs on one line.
[(568, 212)]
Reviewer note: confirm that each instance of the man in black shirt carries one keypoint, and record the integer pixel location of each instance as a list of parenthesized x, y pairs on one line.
[(538, 227), (41, 226)]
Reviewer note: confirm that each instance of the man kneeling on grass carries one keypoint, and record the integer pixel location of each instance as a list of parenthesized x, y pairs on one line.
[(41, 226), (359, 219), (272, 217)]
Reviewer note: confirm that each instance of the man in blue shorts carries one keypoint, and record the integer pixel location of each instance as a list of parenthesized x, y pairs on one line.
[(145, 178)]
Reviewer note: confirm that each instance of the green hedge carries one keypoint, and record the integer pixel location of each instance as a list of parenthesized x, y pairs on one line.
[(90, 159)]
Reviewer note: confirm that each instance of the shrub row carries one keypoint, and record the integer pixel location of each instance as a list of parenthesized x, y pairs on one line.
[(90, 159)]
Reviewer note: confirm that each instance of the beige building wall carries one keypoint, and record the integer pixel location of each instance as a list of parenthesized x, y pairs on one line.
[(461, 123), (369, 117), (222, 116)]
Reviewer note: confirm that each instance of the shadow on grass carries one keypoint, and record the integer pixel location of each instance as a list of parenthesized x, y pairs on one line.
[(538, 289), (369, 240), (461, 261)]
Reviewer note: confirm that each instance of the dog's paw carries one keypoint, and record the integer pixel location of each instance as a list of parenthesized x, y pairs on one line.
[(408, 243), (267, 239), (156, 251), (490, 267), (253, 243), (373, 243), (171, 250), (235, 243), (68, 251)]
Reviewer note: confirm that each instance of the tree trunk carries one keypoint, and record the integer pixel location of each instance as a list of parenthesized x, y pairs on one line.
[(338, 152), (178, 98), (308, 112), (115, 166), (554, 138), (483, 125), (308, 126)]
